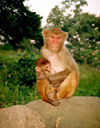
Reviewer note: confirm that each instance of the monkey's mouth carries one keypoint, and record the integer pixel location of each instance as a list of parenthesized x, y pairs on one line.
[(54, 48)]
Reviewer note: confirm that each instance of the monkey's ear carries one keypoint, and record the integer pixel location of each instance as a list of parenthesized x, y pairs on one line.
[(66, 35), (38, 69), (44, 32)]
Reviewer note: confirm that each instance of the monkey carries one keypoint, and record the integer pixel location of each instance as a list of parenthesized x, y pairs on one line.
[(62, 63), (46, 91)]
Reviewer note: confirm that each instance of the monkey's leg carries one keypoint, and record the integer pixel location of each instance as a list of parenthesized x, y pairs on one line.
[(52, 96), (50, 92), (70, 93), (51, 102), (68, 86)]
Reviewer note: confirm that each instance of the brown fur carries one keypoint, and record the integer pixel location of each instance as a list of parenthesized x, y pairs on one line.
[(61, 62), (46, 91)]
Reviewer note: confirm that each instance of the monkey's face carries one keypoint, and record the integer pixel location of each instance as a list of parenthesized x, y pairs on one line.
[(55, 41), (48, 68)]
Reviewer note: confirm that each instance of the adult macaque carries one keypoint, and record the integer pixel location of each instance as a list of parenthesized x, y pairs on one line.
[(62, 64), (46, 91)]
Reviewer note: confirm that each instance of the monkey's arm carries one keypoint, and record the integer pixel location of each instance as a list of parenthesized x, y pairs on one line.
[(40, 75), (56, 79)]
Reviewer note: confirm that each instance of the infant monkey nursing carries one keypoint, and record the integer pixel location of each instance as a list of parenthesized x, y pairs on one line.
[(46, 91)]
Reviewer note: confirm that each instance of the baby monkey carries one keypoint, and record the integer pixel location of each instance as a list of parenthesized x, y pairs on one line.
[(46, 91)]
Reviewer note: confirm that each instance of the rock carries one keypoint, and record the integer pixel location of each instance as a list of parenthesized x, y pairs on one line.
[(20, 117), (75, 112)]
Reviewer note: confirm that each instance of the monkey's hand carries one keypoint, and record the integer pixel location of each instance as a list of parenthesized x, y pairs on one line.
[(40, 75), (57, 88), (58, 78)]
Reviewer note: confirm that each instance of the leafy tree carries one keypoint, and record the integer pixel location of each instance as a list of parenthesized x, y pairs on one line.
[(84, 38), (83, 29), (55, 18), (16, 22), (60, 15)]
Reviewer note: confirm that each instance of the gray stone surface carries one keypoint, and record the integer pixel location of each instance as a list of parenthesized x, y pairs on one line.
[(75, 112), (20, 117)]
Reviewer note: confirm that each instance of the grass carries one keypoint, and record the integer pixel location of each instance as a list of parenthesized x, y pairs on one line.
[(9, 56), (12, 95), (89, 83)]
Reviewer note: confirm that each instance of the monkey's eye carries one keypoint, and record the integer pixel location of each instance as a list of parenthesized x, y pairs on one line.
[(52, 36), (47, 67), (46, 70), (59, 37)]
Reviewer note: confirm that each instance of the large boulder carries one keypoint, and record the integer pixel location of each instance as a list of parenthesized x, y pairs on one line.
[(75, 112), (20, 117)]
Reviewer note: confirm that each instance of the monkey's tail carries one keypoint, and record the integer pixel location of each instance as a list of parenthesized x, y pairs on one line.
[(51, 102)]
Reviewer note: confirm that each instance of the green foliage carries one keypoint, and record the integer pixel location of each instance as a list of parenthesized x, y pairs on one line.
[(25, 44), (89, 83), (8, 56), (28, 45), (87, 56), (84, 37), (6, 47), (60, 15), (16, 22), (55, 18), (84, 31), (17, 80), (21, 72), (17, 95), (74, 6)]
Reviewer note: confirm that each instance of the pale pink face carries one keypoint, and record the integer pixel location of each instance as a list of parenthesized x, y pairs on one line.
[(55, 41)]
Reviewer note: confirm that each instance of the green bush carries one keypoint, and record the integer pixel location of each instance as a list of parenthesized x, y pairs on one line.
[(6, 47), (18, 81), (27, 45), (21, 72), (86, 56), (14, 95)]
